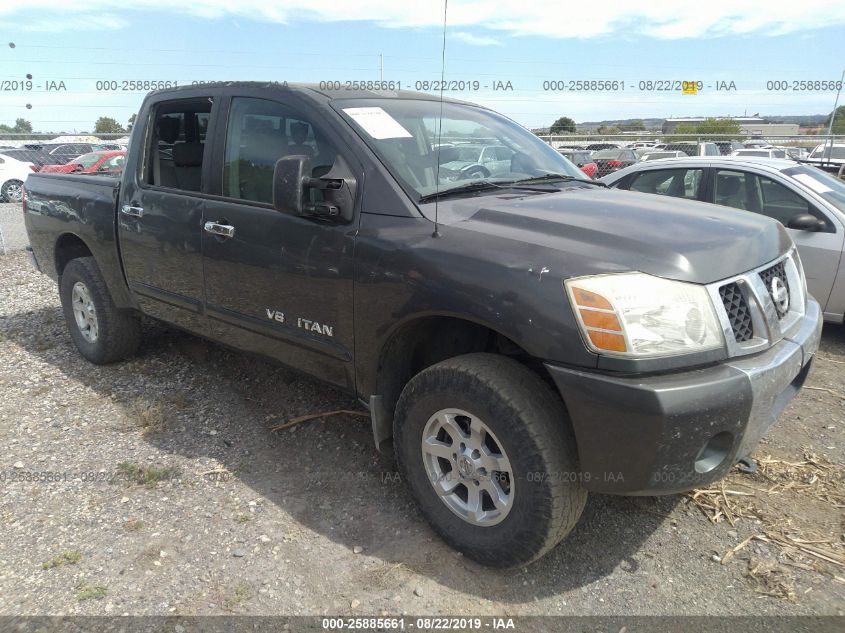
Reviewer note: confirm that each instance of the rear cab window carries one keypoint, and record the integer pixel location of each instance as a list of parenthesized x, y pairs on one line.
[(177, 148)]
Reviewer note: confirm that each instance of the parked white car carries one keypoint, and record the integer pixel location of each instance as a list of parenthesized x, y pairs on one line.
[(761, 152), (662, 155), (13, 173), (807, 201)]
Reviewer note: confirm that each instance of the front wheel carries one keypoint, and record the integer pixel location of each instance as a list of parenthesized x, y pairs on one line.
[(101, 332), (12, 191), (489, 456)]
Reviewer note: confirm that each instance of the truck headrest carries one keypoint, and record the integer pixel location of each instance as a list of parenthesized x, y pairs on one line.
[(168, 129), (187, 154)]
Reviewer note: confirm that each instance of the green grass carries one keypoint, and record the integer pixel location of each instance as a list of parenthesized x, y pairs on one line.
[(65, 558), (146, 475), (91, 592), (241, 593), (133, 525)]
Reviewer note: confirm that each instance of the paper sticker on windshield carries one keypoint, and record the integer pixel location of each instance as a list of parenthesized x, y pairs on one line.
[(812, 183), (377, 123)]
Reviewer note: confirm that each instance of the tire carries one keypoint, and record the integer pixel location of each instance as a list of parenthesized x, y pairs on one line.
[(106, 334), (12, 191), (530, 428)]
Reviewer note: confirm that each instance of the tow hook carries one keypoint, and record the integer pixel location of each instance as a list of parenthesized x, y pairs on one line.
[(746, 465)]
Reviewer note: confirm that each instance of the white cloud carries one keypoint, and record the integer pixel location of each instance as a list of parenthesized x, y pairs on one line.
[(662, 19), (475, 40), (82, 22)]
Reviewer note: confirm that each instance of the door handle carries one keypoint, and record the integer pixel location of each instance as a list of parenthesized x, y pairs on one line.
[(128, 209), (223, 230)]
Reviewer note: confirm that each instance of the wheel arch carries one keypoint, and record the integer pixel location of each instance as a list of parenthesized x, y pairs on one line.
[(69, 246), (425, 340)]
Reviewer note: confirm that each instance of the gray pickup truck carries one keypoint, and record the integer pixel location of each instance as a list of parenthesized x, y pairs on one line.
[(520, 337)]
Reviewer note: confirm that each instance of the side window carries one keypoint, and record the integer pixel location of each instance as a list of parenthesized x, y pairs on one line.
[(780, 203), (115, 162), (678, 183), (175, 155), (258, 134), (760, 194), (730, 189)]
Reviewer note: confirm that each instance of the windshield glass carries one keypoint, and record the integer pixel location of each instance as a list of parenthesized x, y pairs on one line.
[(826, 151), (828, 187), (86, 160), (751, 152), (407, 137)]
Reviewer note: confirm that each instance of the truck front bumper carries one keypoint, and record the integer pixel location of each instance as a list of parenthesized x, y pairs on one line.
[(674, 432)]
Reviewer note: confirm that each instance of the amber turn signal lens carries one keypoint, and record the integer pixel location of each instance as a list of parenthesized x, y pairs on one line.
[(608, 341), (587, 299), (601, 320)]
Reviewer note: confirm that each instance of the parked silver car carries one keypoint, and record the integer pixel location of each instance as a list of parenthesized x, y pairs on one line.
[(807, 201)]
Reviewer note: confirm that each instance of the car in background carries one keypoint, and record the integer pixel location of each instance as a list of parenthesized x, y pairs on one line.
[(756, 142), (726, 147), (828, 156), (609, 160), (761, 152), (796, 153), (37, 157), (659, 155), (595, 147), (807, 201), (62, 152), (706, 148), (94, 162), (582, 159), (13, 173), (472, 160)]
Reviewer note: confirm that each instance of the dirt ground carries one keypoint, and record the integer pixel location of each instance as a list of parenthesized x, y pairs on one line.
[(155, 486)]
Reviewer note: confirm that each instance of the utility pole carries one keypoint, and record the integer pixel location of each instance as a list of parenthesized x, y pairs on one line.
[(381, 66), (833, 114)]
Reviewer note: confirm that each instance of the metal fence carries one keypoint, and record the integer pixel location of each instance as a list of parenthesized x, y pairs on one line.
[(807, 141)]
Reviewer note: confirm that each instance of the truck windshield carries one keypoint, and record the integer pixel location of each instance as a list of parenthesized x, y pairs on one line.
[(466, 144)]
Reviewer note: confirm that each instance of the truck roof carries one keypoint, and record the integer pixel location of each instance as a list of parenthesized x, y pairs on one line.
[(314, 91)]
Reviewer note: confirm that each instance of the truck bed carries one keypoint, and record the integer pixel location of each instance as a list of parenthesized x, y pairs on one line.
[(77, 208)]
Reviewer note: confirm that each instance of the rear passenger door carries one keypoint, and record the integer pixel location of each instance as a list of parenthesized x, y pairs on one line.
[(161, 213), (277, 284)]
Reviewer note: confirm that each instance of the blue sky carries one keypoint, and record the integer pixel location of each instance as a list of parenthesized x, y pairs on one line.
[(747, 42)]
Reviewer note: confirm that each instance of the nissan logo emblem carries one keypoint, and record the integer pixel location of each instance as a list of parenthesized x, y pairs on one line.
[(780, 295)]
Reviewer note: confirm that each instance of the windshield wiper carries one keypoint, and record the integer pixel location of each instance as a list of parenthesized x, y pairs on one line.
[(566, 177), (485, 185), (475, 185)]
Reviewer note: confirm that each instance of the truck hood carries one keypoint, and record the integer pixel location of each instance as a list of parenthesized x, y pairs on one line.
[(596, 230)]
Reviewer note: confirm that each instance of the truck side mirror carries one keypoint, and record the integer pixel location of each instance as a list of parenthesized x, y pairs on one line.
[(805, 222), (289, 177), (292, 179)]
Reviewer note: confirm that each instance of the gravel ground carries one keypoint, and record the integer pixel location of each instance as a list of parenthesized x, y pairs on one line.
[(170, 495), (12, 231)]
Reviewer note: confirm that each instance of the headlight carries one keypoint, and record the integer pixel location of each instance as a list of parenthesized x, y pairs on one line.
[(635, 315)]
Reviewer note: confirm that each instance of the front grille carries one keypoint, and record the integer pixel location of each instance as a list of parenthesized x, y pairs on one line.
[(776, 271), (738, 312)]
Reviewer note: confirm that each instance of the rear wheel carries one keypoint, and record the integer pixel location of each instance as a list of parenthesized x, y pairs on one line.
[(101, 332), (12, 191), (487, 451)]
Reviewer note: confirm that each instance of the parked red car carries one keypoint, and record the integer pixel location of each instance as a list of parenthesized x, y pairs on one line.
[(582, 159), (110, 162)]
